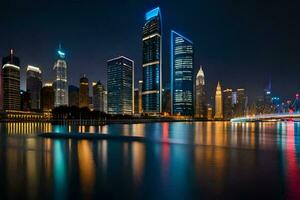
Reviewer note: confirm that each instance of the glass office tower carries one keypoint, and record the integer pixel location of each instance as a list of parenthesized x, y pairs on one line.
[(34, 85), (11, 82), (152, 63), (120, 83), (60, 83), (182, 81)]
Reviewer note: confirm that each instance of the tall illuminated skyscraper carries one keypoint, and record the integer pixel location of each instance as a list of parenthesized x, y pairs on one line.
[(120, 83), (11, 82), (152, 63), (218, 103), (182, 78), (200, 104), (84, 92), (60, 83), (34, 86)]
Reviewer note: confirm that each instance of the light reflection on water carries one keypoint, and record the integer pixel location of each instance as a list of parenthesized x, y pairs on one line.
[(201, 159)]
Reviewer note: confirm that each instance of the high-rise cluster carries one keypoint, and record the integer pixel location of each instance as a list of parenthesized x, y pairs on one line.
[(184, 96)]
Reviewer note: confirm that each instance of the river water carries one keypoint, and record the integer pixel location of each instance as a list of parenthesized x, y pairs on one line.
[(192, 160)]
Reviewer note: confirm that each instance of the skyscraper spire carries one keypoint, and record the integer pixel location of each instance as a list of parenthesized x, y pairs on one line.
[(218, 102), (200, 105)]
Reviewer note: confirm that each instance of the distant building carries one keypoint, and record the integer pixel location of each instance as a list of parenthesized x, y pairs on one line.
[(136, 101), (152, 63), (209, 112), (120, 82), (105, 101), (268, 106), (47, 97), (73, 95), (84, 92), (182, 81), (227, 104), (26, 102), (34, 86), (241, 104), (140, 88), (200, 99), (98, 96), (91, 105), (11, 82), (60, 83), (166, 103), (218, 103), (259, 105)]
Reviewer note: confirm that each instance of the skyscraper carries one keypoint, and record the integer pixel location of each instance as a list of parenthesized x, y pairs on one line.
[(240, 107), (166, 103), (98, 96), (152, 63), (182, 80), (73, 95), (120, 83), (200, 103), (140, 88), (218, 103), (84, 92), (47, 97), (105, 101), (25, 101), (228, 103), (34, 86), (60, 83), (11, 82), (136, 101)]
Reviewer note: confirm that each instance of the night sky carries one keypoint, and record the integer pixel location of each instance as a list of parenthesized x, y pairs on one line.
[(241, 43)]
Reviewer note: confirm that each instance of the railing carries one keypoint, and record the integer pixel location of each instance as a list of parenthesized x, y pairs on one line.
[(275, 116)]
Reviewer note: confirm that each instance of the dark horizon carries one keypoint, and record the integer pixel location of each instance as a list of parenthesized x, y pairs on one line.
[(242, 44)]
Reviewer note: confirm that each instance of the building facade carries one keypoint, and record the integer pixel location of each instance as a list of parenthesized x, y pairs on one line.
[(98, 96), (200, 98), (25, 101), (182, 80), (84, 92), (227, 104), (140, 88), (11, 82), (218, 103), (241, 103), (136, 101), (73, 95), (60, 83), (34, 86), (47, 97), (120, 83), (152, 63)]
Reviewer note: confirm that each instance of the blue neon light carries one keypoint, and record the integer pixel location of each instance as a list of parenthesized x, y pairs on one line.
[(152, 13), (61, 54)]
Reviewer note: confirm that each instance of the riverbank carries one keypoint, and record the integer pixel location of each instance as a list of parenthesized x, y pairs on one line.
[(102, 122)]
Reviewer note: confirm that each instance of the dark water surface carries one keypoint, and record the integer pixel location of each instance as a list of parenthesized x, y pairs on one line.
[(201, 160)]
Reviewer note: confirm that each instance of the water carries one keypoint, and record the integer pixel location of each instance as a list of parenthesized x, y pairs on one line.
[(214, 160)]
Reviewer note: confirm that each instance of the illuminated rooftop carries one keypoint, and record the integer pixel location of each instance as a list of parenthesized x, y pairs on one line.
[(33, 68), (152, 13)]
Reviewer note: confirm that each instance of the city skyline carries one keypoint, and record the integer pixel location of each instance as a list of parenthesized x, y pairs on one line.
[(225, 64)]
